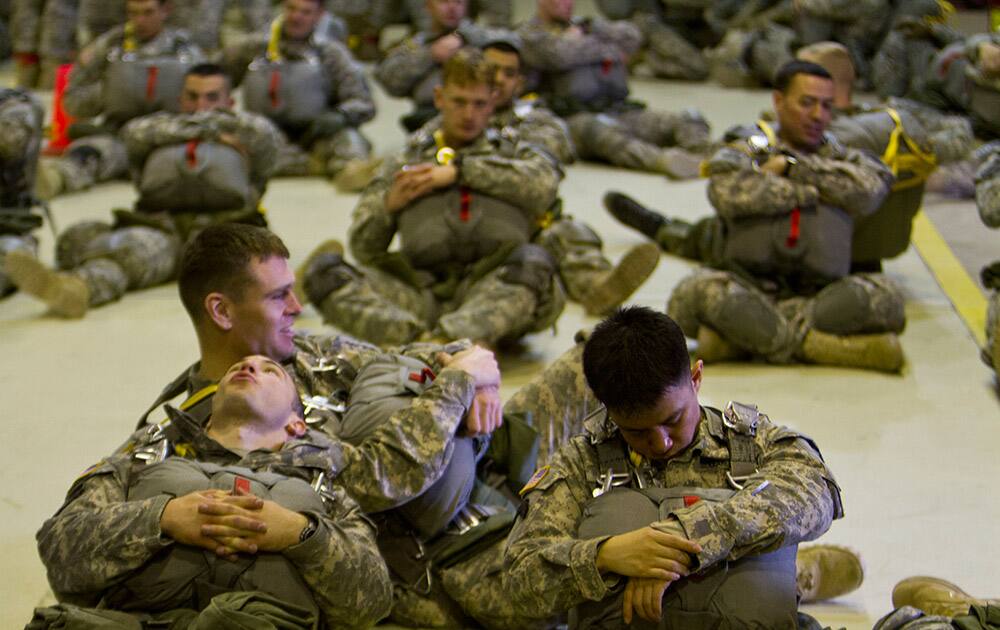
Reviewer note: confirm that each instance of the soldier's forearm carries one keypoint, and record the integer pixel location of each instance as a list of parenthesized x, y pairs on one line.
[(858, 186), (530, 184)]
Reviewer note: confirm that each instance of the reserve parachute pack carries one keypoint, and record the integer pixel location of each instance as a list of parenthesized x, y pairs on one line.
[(135, 85), (592, 87), (182, 576), (291, 92), (752, 592), (811, 242), (458, 224), (195, 176)]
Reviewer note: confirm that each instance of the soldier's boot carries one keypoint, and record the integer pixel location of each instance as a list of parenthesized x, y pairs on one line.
[(827, 571), (935, 596), (880, 352), (65, 294), (677, 163), (616, 285), (331, 246), (673, 235), (26, 71), (714, 348), (74, 171), (356, 174)]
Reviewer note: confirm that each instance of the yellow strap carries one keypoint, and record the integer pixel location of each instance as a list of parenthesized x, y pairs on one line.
[(196, 398), (129, 45), (445, 154), (274, 41), (768, 130), (892, 149), (921, 163)]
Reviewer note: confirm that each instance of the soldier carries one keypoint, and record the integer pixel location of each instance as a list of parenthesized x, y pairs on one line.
[(588, 276), (965, 77), (20, 141), (910, 138), (39, 45), (465, 202), (666, 510), (784, 239), (667, 53), (859, 25), (759, 39), (988, 202), (310, 86), (130, 71), (935, 601), (582, 64), (413, 68), (244, 507), (204, 165)]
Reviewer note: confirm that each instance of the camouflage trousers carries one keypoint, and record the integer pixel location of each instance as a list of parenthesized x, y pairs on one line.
[(46, 28), (113, 261), (578, 251), (636, 139), (988, 189), (20, 143), (757, 323), (106, 159), (13, 243), (991, 354), (667, 53), (751, 58), (327, 156), (380, 308)]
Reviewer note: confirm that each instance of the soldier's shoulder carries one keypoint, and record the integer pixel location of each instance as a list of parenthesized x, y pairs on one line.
[(335, 50)]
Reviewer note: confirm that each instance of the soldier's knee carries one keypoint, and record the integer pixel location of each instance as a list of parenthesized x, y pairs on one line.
[(531, 266), (148, 256), (859, 305), (72, 243), (571, 232)]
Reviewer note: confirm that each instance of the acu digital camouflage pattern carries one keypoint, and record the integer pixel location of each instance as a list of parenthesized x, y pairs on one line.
[(349, 96), (98, 537), (21, 120), (550, 570), (988, 202), (858, 25)]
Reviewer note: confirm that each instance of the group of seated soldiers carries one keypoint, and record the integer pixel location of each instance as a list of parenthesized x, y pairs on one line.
[(333, 481)]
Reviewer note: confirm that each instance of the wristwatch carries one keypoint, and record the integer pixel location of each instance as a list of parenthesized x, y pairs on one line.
[(790, 162), (309, 529)]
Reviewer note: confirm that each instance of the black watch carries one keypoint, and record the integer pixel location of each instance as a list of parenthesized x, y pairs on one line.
[(790, 162), (309, 529)]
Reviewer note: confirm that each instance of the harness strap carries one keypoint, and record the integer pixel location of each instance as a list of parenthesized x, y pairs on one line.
[(152, 74), (274, 40), (274, 88), (129, 44), (191, 153), (768, 130), (922, 163), (744, 455)]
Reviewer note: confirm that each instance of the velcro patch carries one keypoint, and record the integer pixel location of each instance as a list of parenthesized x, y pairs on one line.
[(535, 480)]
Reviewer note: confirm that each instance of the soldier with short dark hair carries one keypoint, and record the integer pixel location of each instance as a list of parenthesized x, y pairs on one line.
[(666, 510)]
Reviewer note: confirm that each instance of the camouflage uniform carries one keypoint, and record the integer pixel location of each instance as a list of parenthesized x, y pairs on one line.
[(20, 140), (957, 83), (856, 25), (754, 46), (142, 248), (770, 316), (349, 97), (668, 54), (102, 156), (503, 295), (100, 537), (551, 570), (609, 127), (988, 202), (207, 25)]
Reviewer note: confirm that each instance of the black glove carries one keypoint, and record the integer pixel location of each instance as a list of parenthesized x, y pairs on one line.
[(324, 126)]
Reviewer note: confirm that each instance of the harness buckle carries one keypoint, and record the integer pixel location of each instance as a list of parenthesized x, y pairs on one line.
[(610, 480), (736, 482)]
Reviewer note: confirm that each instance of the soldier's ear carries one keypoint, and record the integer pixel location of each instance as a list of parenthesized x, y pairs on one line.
[(697, 371), (438, 97), (219, 310), (296, 428)]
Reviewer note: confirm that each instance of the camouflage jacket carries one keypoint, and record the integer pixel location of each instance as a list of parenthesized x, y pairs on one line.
[(99, 536), (988, 187), (410, 61), (85, 92), (349, 91), (402, 458), (256, 135), (548, 49), (844, 10), (538, 125), (850, 179), (550, 570), (502, 167)]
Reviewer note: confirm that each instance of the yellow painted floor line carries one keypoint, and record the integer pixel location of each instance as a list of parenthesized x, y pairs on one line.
[(954, 280)]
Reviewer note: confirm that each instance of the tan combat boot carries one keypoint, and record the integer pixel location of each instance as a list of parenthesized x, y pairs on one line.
[(713, 348), (880, 352), (49, 179), (65, 294), (619, 283), (827, 571), (935, 596), (356, 174), (331, 246)]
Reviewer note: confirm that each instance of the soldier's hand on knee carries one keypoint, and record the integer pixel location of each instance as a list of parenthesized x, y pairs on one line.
[(647, 553), (486, 413), (644, 597), (477, 362)]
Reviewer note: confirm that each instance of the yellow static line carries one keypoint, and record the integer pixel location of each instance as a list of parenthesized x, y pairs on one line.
[(962, 290)]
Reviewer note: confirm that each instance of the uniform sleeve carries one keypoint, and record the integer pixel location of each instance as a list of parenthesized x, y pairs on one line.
[(856, 182), (404, 66), (349, 87), (551, 52), (736, 190), (98, 537), (409, 452), (798, 504), (145, 134), (544, 129), (260, 138), (528, 180), (988, 191), (548, 569), (342, 565), (84, 93), (622, 33), (372, 226)]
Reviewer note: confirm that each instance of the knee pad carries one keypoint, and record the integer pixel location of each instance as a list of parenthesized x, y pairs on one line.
[(148, 256), (531, 266), (859, 305), (72, 243), (565, 233)]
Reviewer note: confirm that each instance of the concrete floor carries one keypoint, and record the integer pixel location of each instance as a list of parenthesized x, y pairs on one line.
[(915, 454)]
